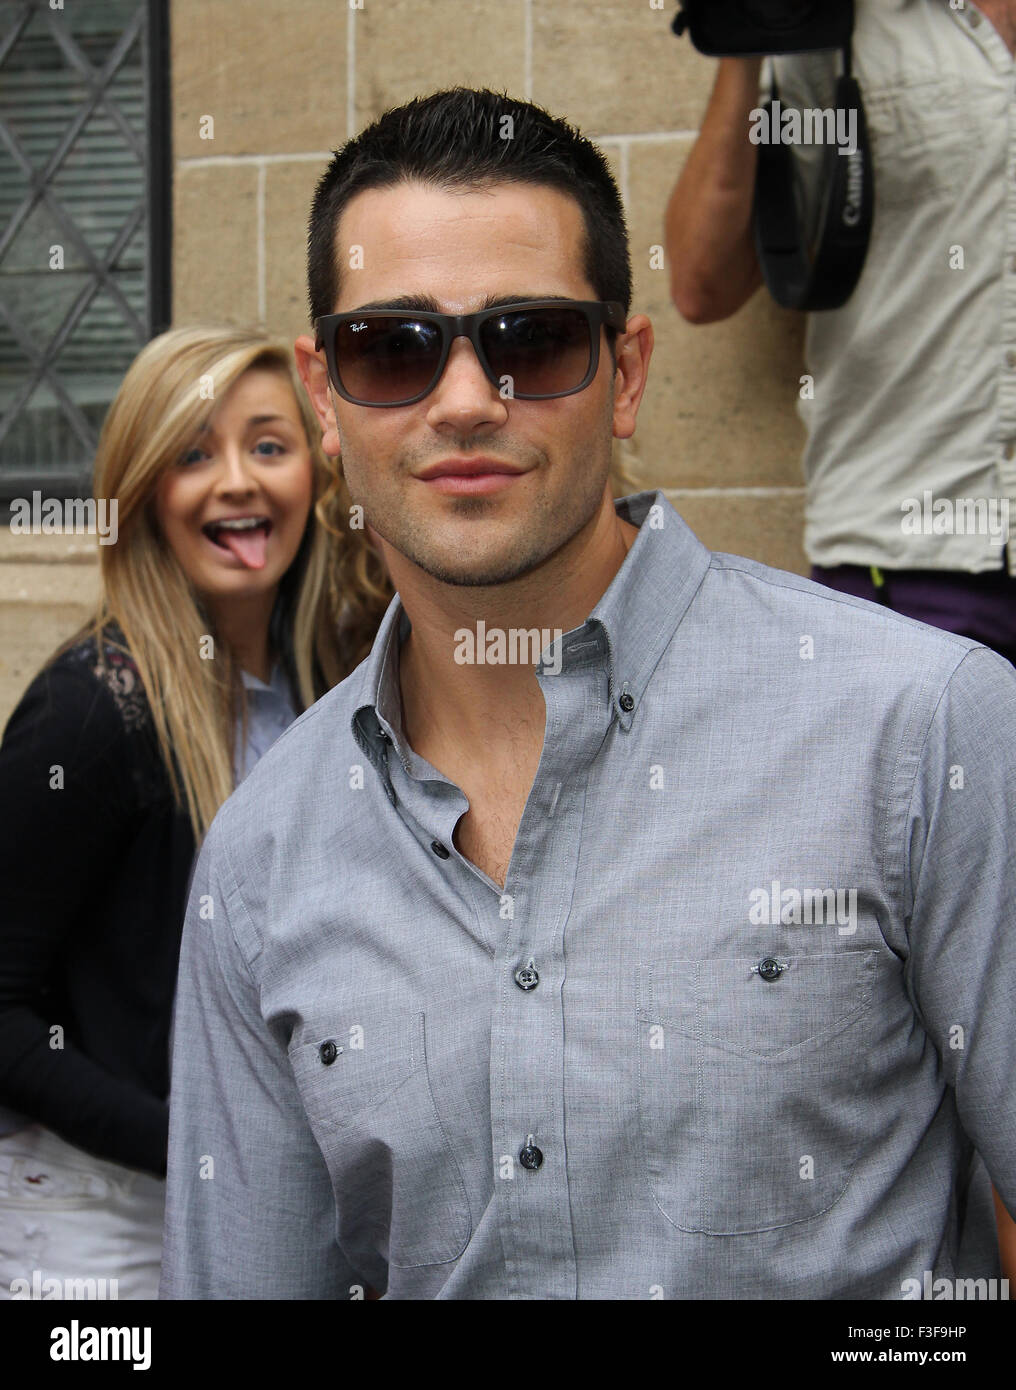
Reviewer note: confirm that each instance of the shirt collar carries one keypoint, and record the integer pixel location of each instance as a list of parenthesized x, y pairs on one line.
[(648, 597), (627, 631)]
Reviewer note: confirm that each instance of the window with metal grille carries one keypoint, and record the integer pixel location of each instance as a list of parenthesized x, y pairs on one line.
[(84, 223)]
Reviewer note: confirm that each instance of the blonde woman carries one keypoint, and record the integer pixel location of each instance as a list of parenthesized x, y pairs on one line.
[(234, 596)]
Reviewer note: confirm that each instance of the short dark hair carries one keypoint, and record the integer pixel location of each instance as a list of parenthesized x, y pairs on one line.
[(457, 139)]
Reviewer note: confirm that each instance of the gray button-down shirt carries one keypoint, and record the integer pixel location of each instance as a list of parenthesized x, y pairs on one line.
[(764, 877)]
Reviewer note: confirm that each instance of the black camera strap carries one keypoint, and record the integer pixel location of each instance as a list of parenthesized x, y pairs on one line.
[(801, 271), (817, 273)]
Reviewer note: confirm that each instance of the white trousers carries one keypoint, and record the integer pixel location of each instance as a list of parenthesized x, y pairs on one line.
[(74, 1226)]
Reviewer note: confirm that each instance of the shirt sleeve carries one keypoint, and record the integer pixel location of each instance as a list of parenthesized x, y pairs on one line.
[(66, 802), (962, 868), (250, 1208)]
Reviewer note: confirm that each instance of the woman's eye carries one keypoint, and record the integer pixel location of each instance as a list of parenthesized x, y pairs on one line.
[(194, 455), (268, 447)]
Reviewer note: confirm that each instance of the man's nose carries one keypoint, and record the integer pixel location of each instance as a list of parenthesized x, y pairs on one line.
[(464, 393)]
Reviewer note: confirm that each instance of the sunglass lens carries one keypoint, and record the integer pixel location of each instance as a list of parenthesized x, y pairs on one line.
[(543, 351), (384, 360)]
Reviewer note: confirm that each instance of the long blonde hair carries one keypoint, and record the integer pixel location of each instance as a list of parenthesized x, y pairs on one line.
[(330, 601)]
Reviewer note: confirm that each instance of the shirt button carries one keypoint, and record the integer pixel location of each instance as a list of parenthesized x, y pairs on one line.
[(1010, 358), (439, 849), (527, 977), (627, 703), (1009, 450), (770, 969), (530, 1157), (328, 1052)]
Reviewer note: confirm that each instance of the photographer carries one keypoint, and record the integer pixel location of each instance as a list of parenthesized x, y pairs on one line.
[(910, 414), (910, 411)]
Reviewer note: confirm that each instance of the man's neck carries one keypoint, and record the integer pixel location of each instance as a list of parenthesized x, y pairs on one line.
[(454, 709)]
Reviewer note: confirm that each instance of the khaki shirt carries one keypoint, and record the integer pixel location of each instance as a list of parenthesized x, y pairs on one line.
[(914, 379)]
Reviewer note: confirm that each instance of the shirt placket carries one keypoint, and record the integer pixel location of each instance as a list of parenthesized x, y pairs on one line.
[(529, 1134)]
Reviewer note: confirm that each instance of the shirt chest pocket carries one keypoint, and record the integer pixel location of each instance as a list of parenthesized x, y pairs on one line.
[(399, 1191), (751, 1076), (920, 147)]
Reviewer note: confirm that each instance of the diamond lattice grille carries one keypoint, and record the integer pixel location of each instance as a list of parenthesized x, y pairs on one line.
[(74, 182)]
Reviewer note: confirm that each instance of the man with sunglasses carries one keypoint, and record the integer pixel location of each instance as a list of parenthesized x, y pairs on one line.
[(667, 954)]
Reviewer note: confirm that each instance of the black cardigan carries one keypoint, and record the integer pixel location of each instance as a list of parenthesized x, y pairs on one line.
[(93, 883)]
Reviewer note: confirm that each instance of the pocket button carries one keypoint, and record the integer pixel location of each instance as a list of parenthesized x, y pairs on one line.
[(770, 969)]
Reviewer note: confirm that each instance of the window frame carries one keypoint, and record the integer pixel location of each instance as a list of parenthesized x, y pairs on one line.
[(76, 479)]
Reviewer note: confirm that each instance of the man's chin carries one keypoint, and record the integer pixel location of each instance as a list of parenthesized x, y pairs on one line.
[(478, 575)]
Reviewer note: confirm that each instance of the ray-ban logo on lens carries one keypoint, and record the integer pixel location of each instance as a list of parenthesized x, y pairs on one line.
[(514, 646)]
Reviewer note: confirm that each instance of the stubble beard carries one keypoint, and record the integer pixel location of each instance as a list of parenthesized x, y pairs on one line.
[(550, 525)]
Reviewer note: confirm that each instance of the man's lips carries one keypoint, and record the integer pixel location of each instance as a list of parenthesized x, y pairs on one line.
[(466, 468), (470, 476)]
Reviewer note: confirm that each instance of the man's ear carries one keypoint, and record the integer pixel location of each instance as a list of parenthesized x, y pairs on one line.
[(634, 350), (314, 375)]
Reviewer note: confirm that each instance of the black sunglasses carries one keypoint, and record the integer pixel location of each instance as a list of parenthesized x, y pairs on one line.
[(532, 351)]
